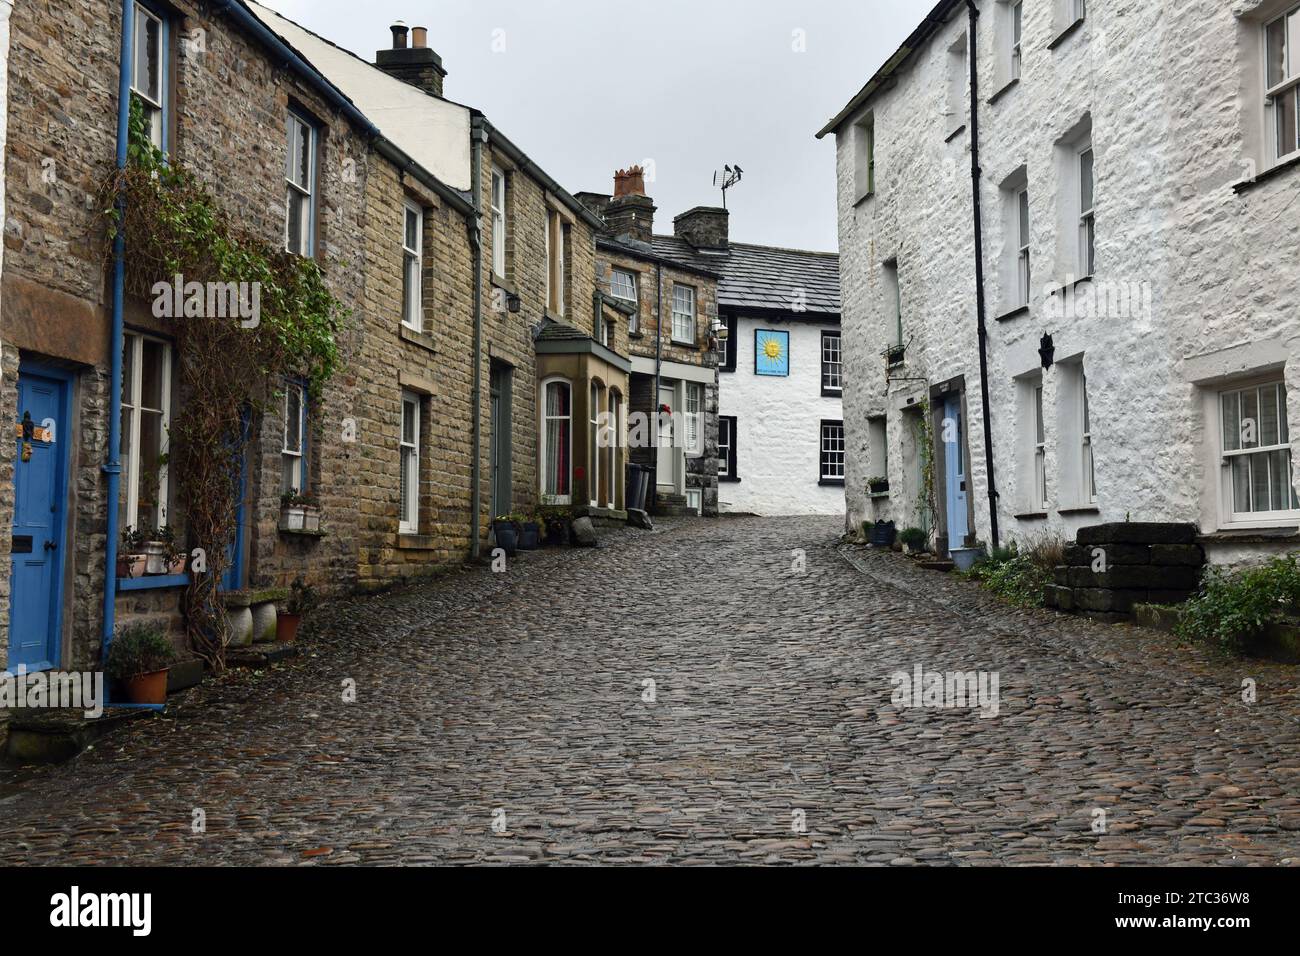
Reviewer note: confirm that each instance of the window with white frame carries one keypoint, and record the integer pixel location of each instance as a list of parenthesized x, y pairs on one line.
[(1089, 470), (727, 447), (1256, 444), (864, 153), (1077, 486), (409, 466), (300, 186), (557, 441), (958, 83), (878, 446), (1017, 12), (1087, 218), (498, 222), (594, 440), (612, 440), (832, 452), (832, 364), (293, 454), (149, 79), (1282, 82), (1023, 274), (1040, 452), (694, 418), (146, 417), (412, 267), (623, 286), (557, 234), (684, 330), (892, 300)]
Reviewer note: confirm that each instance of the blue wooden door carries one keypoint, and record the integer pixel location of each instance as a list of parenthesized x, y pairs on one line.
[(40, 485), (955, 470)]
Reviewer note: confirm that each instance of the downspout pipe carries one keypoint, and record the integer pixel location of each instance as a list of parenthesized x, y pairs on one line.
[(980, 305), (113, 463), (659, 361), (475, 223)]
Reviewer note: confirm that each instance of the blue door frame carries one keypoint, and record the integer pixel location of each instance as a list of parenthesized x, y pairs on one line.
[(40, 511), (954, 459)]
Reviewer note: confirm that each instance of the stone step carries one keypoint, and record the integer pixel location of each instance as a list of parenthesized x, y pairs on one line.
[(54, 736), (673, 511), (259, 655), (937, 565)]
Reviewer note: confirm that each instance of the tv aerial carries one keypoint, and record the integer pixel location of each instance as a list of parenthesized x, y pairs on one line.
[(730, 176)]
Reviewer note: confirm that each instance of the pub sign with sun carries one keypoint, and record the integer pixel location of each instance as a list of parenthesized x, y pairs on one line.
[(771, 352)]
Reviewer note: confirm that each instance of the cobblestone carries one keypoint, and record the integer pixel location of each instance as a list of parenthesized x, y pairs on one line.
[(501, 719)]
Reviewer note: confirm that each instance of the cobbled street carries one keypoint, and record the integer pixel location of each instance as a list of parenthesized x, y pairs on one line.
[(518, 699)]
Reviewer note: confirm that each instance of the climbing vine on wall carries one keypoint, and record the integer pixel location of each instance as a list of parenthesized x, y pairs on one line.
[(230, 367), (926, 508)]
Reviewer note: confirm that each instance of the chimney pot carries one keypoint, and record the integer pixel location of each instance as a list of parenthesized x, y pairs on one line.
[(629, 182), (631, 212), (419, 37), (399, 35)]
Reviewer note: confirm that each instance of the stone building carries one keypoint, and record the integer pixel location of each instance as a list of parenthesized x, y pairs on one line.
[(1137, 172), (667, 290), (535, 323)]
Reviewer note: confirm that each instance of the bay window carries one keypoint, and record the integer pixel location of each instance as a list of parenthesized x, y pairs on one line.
[(556, 441)]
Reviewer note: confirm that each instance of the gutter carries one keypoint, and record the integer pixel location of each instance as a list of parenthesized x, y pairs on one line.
[(980, 309), (112, 466)]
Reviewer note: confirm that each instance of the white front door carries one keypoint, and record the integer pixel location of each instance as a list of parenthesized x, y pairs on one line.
[(668, 469)]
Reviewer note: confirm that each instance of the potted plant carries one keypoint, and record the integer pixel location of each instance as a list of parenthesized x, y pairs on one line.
[(299, 512), (878, 486), (556, 522), (507, 529), (174, 556), (132, 561), (530, 534), (140, 657), (155, 551), (914, 540), (302, 599)]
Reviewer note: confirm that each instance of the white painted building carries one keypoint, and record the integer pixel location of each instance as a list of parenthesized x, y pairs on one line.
[(1139, 177)]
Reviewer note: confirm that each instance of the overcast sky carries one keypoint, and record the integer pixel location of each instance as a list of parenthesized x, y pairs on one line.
[(589, 86)]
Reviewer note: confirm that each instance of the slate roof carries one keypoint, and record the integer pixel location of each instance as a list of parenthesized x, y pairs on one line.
[(553, 331), (763, 277)]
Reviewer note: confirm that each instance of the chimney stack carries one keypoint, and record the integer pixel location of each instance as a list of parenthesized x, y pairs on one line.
[(704, 227), (415, 64), (631, 212)]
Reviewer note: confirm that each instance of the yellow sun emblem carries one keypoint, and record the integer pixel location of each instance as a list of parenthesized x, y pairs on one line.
[(772, 349)]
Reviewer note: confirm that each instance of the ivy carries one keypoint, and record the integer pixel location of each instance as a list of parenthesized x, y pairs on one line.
[(229, 372)]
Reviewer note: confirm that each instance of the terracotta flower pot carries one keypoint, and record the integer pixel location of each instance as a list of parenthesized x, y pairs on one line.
[(177, 564), (286, 627), (132, 565), (147, 688)]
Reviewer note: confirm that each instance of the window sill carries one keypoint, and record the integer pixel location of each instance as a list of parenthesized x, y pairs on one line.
[(1288, 534), (301, 533), (636, 335), (831, 482), (501, 283), (1015, 313), (863, 198), (1079, 510), (728, 480), (407, 541), (155, 582), (1061, 37), (1069, 286), (1006, 87), (878, 496), (955, 133), (1272, 172), (1031, 516), (832, 393), (423, 339), (685, 345)]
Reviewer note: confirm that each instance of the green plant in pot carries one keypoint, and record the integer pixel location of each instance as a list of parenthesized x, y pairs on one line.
[(878, 485), (914, 540), (508, 529), (139, 658), (556, 522), (132, 561), (302, 600)]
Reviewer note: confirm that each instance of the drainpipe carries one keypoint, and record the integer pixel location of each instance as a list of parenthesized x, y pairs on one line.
[(475, 225), (979, 265), (113, 465), (659, 361)]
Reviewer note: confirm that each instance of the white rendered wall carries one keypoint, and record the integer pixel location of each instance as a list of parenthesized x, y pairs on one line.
[(778, 422)]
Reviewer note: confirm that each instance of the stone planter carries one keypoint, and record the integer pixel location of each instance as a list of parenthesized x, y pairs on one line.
[(264, 617), (965, 558), (239, 625), (155, 557), (293, 518)]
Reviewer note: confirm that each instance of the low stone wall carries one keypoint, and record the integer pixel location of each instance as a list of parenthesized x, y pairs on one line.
[(1114, 567)]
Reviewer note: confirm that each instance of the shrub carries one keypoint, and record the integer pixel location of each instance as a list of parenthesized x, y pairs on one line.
[(1234, 607), (1020, 576), (914, 538), (139, 649)]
